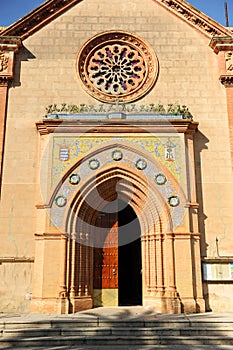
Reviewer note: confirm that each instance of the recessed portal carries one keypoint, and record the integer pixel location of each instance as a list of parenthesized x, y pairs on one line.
[(129, 258), (117, 260)]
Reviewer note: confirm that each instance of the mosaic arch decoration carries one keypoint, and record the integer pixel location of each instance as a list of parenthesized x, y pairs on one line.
[(117, 66), (156, 174)]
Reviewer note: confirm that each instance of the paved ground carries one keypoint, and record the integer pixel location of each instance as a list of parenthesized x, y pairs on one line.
[(118, 313)]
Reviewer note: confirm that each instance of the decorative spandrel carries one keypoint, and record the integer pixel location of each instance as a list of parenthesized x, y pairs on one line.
[(156, 146)]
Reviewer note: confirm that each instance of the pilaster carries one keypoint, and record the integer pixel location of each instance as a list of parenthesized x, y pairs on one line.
[(223, 47), (8, 47)]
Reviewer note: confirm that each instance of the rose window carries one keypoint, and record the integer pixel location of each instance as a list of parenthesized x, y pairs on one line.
[(117, 66), (116, 69)]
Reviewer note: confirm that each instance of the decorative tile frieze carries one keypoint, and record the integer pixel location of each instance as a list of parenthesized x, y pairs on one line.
[(152, 169)]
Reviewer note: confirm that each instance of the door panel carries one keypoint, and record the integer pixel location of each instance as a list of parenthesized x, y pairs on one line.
[(106, 257)]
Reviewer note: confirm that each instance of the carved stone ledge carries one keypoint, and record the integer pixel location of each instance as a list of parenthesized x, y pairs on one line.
[(46, 127), (226, 80), (196, 18), (49, 10), (219, 43), (193, 205), (39, 17), (8, 43), (42, 206), (16, 259)]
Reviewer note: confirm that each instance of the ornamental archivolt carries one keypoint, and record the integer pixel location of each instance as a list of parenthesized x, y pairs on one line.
[(117, 67)]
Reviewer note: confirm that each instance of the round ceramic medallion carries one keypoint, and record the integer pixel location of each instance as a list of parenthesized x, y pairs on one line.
[(160, 179), (74, 179), (94, 164), (173, 201), (60, 201), (117, 155), (117, 66), (141, 164)]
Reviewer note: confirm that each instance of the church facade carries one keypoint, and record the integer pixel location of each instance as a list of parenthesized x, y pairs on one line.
[(116, 149)]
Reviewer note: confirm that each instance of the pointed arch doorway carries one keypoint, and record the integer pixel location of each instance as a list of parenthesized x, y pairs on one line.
[(117, 278), (90, 229)]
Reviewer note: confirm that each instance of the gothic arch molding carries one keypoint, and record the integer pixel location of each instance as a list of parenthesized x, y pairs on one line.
[(156, 237)]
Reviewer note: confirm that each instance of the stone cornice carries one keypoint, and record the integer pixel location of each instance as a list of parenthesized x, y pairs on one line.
[(50, 10), (39, 17), (8, 43), (226, 80), (46, 127), (219, 43), (196, 18), (16, 259)]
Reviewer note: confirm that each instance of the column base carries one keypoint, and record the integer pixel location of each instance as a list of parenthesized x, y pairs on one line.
[(163, 304), (200, 305), (80, 304), (190, 305)]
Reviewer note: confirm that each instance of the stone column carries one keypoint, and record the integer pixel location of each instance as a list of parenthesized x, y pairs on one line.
[(8, 47), (194, 245), (80, 298), (64, 307), (172, 298)]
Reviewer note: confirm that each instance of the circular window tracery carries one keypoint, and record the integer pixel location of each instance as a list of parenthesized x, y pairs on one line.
[(117, 66)]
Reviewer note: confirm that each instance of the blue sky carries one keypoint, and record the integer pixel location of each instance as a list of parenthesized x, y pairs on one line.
[(12, 10)]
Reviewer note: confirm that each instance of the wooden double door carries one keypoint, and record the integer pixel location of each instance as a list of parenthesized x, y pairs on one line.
[(117, 278)]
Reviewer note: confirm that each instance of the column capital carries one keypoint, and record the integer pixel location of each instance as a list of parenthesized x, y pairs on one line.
[(8, 47), (221, 43), (224, 46), (226, 80)]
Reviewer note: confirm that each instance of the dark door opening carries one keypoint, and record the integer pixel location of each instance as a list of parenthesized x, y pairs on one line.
[(129, 257)]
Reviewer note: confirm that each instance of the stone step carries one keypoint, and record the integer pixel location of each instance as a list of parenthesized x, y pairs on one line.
[(113, 323), (135, 347), (127, 331), (18, 342), (131, 347)]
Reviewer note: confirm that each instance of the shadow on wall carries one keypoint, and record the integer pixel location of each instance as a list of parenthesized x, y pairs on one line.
[(200, 141), (22, 56)]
